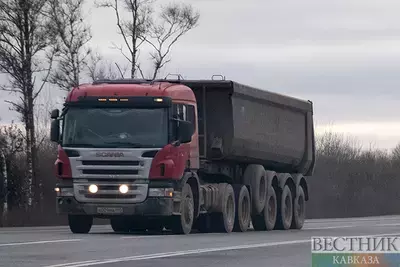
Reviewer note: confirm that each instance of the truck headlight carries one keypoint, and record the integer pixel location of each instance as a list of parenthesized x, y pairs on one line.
[(161, 192), (93, 189), (123, 189)]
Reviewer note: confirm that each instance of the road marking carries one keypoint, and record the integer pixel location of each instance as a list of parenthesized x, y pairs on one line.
[(72, 263), (197, 251), (330, 227), (389, 224), (39, 242), (185, 252), (144, 236)]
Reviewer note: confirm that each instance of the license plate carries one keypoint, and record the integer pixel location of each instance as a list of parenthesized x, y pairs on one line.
[(109, 210)]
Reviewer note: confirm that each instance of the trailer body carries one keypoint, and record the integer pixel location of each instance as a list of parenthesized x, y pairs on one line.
[(248, 125)]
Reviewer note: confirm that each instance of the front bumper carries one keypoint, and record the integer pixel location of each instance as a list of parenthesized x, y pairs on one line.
[(150, 207)]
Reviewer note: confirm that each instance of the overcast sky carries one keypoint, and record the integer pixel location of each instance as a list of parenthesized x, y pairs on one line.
[(344, 55)]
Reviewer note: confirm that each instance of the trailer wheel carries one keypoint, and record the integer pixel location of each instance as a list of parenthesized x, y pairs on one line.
[(243, 208), (285, 209), (255, 176), (267, 219), (182, 224), (120, 225), (224, 221), (299, 210), (80, 224), (270, 209)]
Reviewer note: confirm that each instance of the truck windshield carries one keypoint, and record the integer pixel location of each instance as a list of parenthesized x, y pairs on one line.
[(115, 127)]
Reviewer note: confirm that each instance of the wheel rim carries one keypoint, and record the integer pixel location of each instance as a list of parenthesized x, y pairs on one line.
[(287, 208), (245, 210), (188, 210), (230, 209), (271, 210)]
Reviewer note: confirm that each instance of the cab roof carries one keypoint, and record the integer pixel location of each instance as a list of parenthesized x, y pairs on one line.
[(108, 88)]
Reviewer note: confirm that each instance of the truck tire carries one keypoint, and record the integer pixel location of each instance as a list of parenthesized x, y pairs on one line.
[(243, 208), (270, 209), (255, 176), (266, 221), (80, 224), (182, 224), (226, 219), (299, 210), (120, 224), (285, 209)]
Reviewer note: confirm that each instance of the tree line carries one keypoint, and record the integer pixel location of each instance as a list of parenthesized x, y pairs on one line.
[(47, 42)]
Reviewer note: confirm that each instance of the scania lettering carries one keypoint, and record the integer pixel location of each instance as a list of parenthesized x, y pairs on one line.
[(182, 155)]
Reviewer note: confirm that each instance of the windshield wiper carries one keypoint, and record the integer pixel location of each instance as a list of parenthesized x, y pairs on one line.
[(125, 143)]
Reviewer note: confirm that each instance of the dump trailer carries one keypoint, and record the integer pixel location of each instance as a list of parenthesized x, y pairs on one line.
[(183, 155)]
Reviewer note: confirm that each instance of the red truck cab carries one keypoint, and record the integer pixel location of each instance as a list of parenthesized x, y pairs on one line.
[(123, 150)]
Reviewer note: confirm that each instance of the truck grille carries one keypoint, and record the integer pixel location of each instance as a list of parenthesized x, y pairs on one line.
[(103, 169), (109, 192), (110, 162), (110, 172)]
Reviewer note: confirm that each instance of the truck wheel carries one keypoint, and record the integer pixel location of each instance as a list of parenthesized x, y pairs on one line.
[(267, 220), (182, 224), (80, 224), (226, 219), (270, 209), (243, 208), (299, 210), (120, 225), (255, 176), (285, 209)]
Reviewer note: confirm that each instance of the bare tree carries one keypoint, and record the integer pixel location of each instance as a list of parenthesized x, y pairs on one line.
[(24, 39), (133, 30), (160, 34), (396, 153), (72, 37), (175, 21), (11, 142)]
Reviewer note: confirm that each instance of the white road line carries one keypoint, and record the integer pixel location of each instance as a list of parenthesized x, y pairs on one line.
[(350, 226), (185, 252), (389, 224), (330, 227), (198, 251), (72, 263), (143, 236), (39, 242)]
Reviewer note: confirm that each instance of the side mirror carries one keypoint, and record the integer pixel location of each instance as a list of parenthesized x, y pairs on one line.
[(185, 131), (55, 131), (55, 113)]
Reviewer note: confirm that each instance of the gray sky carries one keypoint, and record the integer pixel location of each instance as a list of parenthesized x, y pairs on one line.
[(344, 55)]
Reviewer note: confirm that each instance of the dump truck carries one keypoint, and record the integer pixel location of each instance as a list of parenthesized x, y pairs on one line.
[(182, 155)]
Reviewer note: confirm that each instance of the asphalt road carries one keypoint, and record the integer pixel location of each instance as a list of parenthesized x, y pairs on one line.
[(57, 247)]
